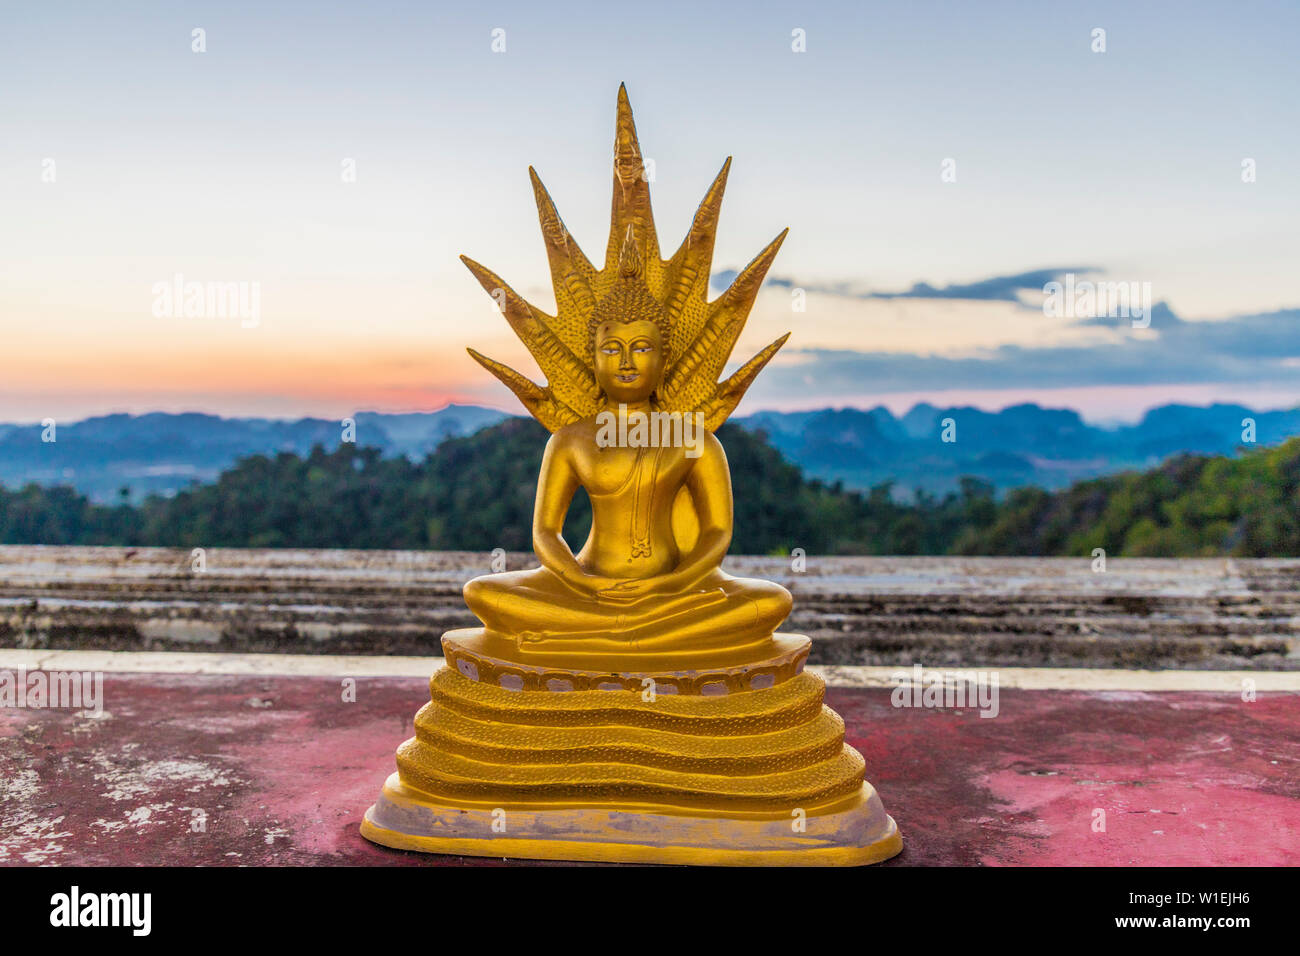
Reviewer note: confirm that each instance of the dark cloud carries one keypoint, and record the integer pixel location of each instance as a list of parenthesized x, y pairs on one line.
[(1259, 349), (997, 288)]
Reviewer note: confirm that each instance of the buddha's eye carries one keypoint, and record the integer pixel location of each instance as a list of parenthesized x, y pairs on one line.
[(643, 347), (609, 349)]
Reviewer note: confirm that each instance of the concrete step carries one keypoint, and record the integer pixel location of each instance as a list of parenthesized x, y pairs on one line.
[(1198, 613)]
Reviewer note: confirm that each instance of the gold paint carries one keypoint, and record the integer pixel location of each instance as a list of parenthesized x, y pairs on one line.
[(634, 681), (490, 658), (787, 704), (781, 749)]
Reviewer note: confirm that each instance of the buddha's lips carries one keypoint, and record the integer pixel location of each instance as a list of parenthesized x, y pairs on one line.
[(627, 379)]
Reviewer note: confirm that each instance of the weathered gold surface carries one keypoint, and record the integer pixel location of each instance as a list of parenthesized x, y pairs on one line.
[(783, 751), (631, 701), (793, 702), (854, 832), (484, 656)]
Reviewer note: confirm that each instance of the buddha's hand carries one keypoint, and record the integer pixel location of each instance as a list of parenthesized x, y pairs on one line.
[(632, 591), (589, 585)]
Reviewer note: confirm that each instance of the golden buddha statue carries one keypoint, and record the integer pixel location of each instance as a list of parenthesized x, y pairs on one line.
[(639, 588), (631, 701)]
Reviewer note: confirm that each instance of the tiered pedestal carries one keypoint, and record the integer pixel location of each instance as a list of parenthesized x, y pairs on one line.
[(737, 764)]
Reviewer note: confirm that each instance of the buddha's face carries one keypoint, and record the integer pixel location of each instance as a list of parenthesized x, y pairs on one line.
[(629, 360)]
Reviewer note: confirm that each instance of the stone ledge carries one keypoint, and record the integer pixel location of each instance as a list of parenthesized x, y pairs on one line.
[(846, 676), (1212, 613)]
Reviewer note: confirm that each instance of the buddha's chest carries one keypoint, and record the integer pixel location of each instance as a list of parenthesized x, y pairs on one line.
[(613, 471)]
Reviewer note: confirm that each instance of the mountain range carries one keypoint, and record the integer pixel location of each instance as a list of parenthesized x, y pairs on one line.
[(162, 452), (1017, 446)]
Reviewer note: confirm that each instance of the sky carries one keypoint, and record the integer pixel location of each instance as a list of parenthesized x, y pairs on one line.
[(937, 164)]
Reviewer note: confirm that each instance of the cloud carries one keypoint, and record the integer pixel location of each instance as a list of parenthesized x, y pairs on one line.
[(1256, 349), (996, 288), (1250, 349)]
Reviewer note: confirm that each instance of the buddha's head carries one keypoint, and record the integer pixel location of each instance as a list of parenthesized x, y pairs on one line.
[(629, 359), (629, 335)]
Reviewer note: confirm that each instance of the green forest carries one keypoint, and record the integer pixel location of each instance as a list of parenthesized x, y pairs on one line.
[(476, 493)]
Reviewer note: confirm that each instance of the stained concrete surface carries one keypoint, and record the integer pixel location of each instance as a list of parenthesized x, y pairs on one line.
[(245, 769)]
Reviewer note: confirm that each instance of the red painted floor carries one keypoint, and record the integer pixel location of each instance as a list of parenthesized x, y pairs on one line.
[(282, 769)]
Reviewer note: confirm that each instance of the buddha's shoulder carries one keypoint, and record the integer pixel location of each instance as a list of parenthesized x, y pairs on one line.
[(578, 434)]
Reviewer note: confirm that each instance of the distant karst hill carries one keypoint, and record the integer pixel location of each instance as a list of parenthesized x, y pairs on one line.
[(1018, 446), (476, 493), (1024, 445), (472, 493), (163, 453)]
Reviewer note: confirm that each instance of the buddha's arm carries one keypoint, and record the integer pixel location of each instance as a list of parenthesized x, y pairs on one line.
[(710, 485), (557, 483)]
